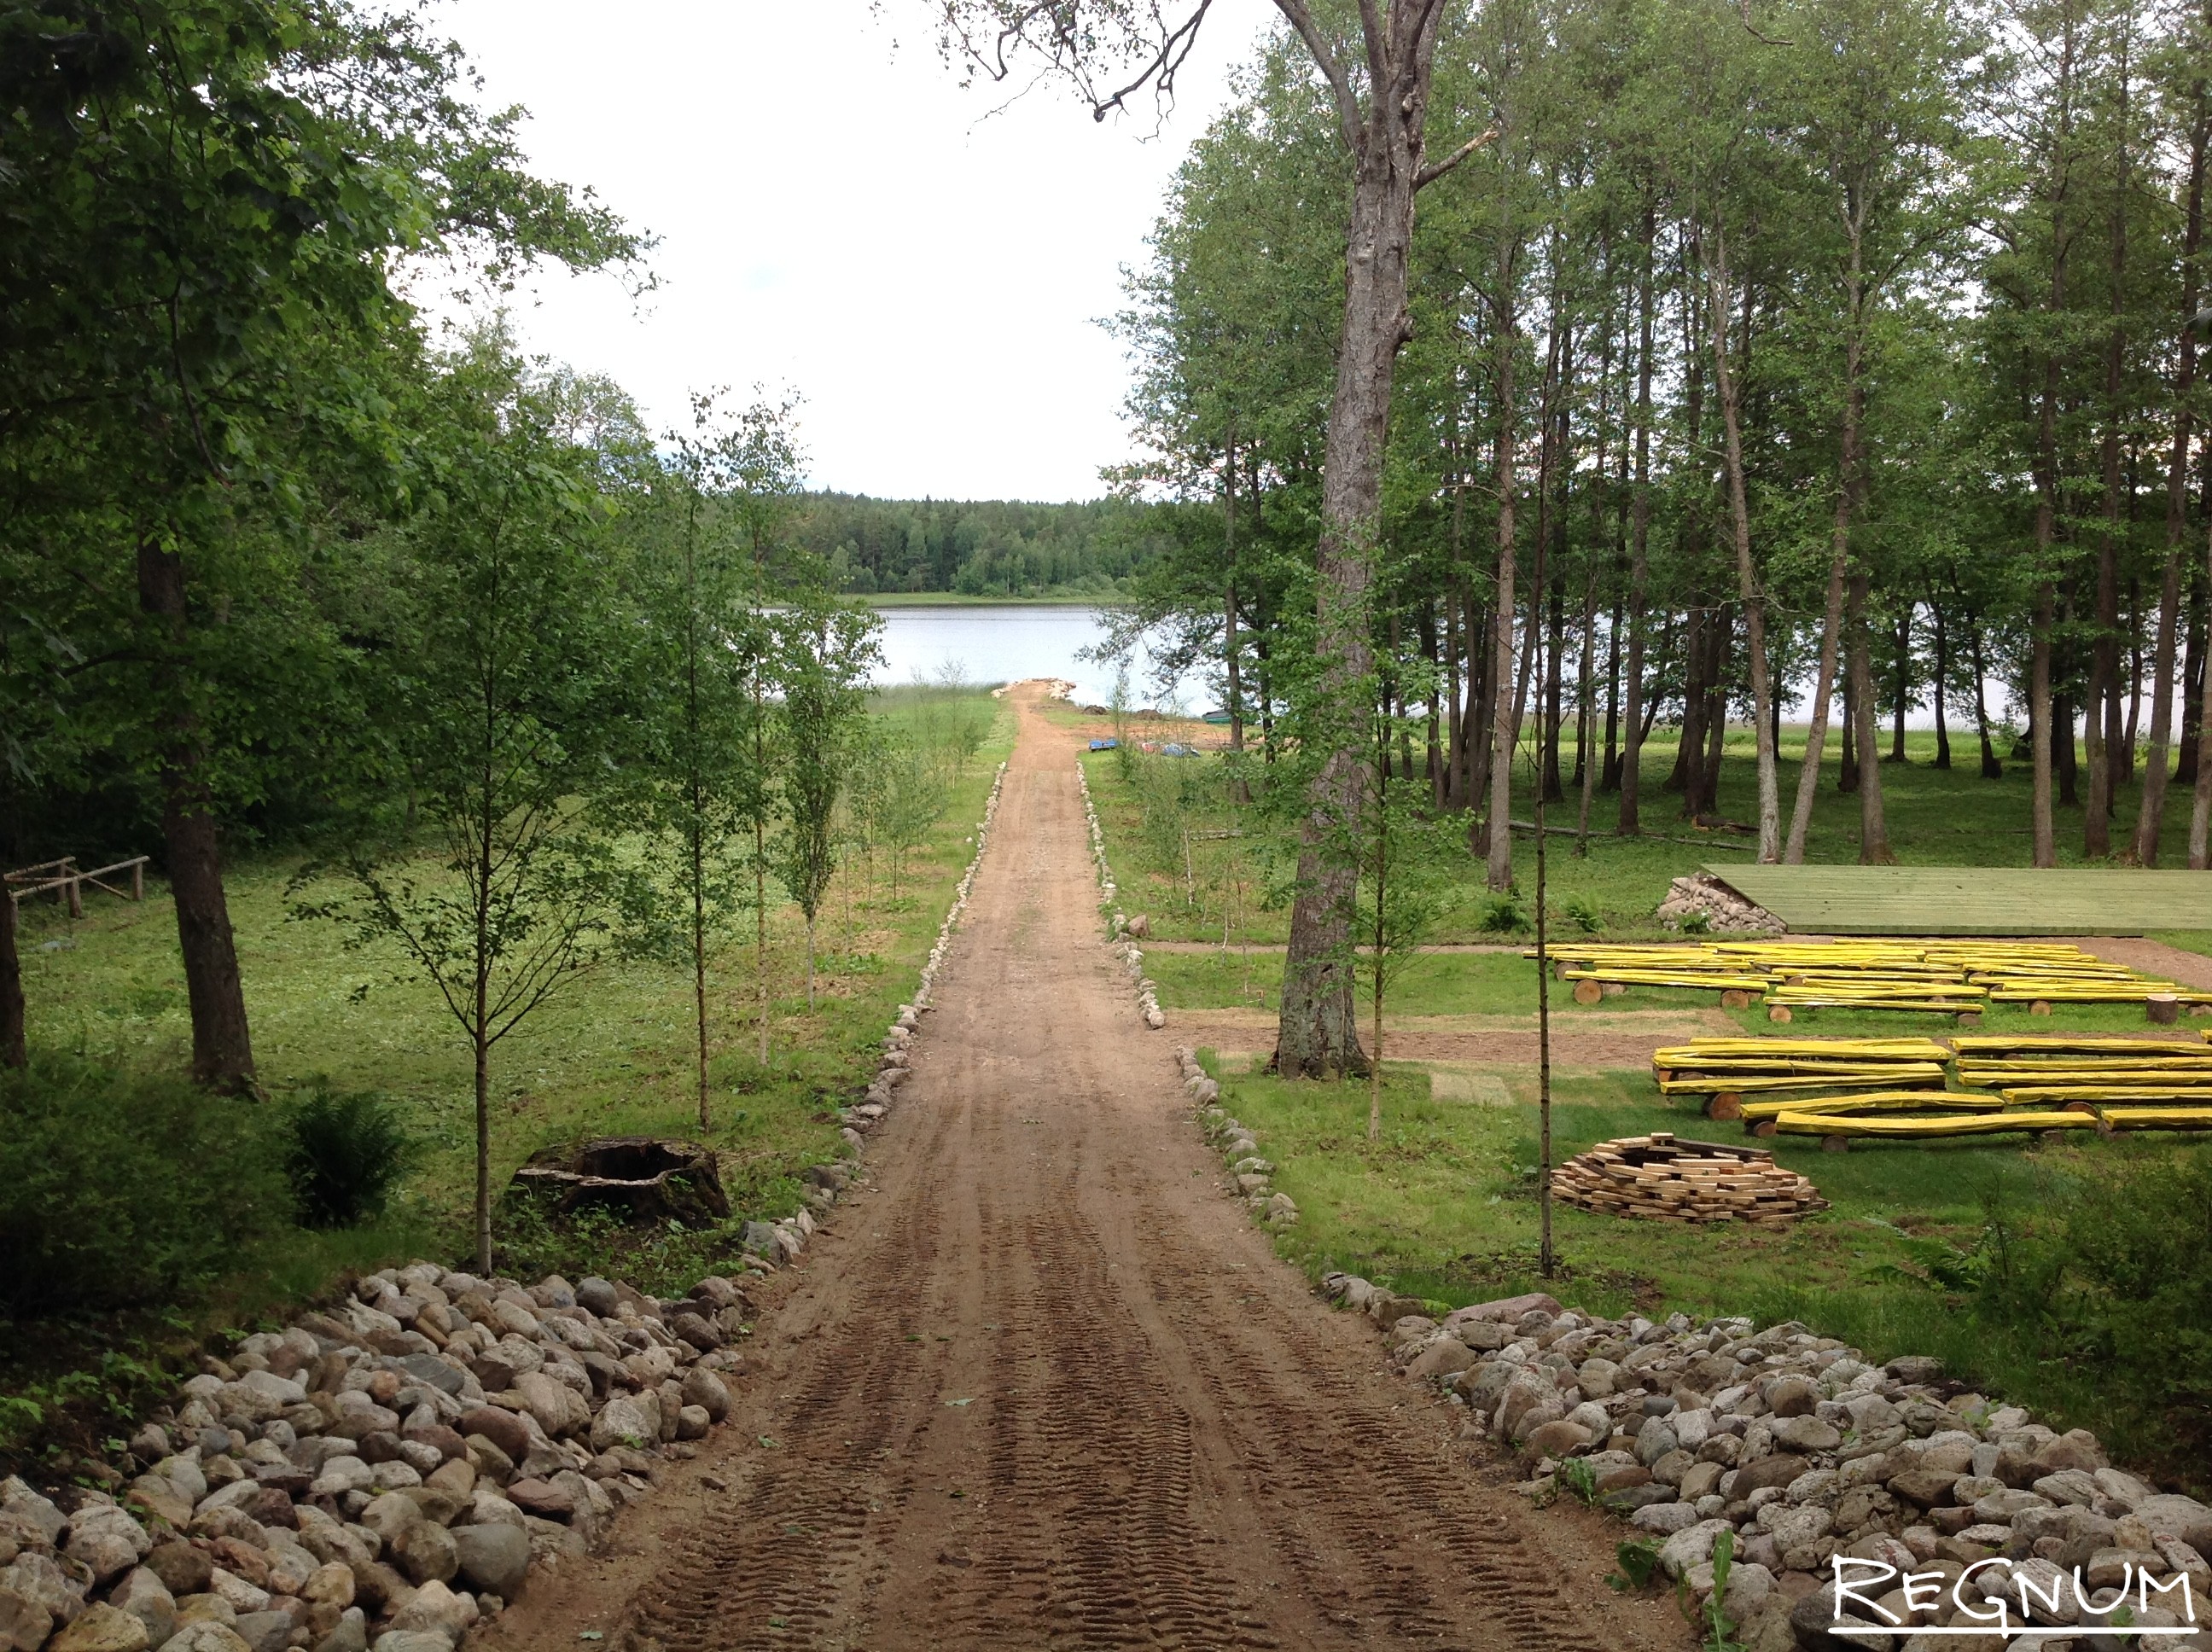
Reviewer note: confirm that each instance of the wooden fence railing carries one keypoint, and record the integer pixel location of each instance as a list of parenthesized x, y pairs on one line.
[(65, 876)]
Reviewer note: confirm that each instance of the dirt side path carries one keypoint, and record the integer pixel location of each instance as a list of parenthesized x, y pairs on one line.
[(1044, 1385)]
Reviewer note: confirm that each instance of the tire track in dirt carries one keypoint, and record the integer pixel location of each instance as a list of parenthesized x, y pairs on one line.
[(1042, 1385)]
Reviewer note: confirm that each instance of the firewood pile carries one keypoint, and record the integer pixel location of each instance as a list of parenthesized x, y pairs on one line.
[(1664, 1179)]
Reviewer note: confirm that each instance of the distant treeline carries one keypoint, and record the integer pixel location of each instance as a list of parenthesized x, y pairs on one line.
[(979, 547)]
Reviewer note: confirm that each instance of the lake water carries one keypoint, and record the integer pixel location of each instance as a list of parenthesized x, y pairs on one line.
[(1006, 644)]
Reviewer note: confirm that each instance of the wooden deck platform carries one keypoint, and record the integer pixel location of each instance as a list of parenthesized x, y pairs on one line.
[(1973, 899)]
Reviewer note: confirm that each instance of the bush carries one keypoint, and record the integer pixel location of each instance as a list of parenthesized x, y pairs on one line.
[(2113, 1283), (1582, 912), (118, 1188), (1504, 914), (346, 1153)]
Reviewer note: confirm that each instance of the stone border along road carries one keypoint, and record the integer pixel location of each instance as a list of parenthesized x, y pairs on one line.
[(1038, 1384)]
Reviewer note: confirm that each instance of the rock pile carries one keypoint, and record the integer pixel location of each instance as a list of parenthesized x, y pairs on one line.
[(1806, 1450), (1125, 932), (1726, 913), (1239, 1146), (386, 1471), (1662, 1179)]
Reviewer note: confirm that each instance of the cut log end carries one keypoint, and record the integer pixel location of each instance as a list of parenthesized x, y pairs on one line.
[(1736, 997), (1779, 1014), (1970, 1018), (1726, 1105), (2164, 1009), (1764, 1128), (1835, 1144), (2041, 1007), (1588, 992)]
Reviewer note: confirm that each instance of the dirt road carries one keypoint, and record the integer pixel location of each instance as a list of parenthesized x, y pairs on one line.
[(1043, 1385)]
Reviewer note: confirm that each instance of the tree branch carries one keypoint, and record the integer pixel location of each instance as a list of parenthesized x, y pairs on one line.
[(1347, 104), (1744, 11), (1429, 174)]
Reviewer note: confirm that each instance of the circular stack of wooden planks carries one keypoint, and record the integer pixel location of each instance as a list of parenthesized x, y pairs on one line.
[(1662, 1178)]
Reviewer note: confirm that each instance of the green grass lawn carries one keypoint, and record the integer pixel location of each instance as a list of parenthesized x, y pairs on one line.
[(1936, 817), (611, 1054)]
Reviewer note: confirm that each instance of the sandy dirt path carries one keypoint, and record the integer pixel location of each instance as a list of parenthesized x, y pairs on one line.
[(1043, 1385)]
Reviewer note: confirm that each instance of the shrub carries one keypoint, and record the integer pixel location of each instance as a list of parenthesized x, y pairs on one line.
[(2113, 1283), (1504, 914), (1582, 912), (118, 1188), (348, 1150)]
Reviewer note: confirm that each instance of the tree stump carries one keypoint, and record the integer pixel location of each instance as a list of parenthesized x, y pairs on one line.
[(1588, 992), (2041, 1007), (1835, 1144), (2164, 1009), (1970, 1018), (651, 1178)]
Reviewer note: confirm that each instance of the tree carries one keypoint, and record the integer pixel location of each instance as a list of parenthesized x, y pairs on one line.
[(825, 652), (1381, 100), (500, 718), (699, 786), (204, 201), (1399, 850)]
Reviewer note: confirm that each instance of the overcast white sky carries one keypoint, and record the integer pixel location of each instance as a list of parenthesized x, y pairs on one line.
[(837, 215)]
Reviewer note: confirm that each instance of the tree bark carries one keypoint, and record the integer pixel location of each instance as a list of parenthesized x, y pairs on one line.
[(1317, 1030), (1943, 669), (1639, 563), (222, 1047), (1992, 768), (1903, 684), (1874, 825), (2041, 710), (2152, 803), (1717, 280), (1832, 614), (12, 1051), (2102, 726), (1505, 732)]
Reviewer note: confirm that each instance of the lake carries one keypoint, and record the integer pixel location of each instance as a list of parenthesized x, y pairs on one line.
[(1006, 644)]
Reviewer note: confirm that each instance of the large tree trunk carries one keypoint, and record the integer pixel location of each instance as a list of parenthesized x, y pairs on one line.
[(12, 1052), (1903, 684), (1639, 566), (1746, 575), (2177, 506), (2192, 673), (1831, 614), (1943, 669), (1874, 824), (1505, 709), (2041, 709), (1317, 1031), (1992, 768), (2103, 722), (222, 1049)]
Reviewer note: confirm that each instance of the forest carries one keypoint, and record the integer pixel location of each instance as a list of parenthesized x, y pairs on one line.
[(1840, 361), (1086, 550)]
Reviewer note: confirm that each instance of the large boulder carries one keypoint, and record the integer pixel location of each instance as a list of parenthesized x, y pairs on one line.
[(558, 1408), (494, 1558)]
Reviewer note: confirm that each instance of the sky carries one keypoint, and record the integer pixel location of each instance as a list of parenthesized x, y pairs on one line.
[(925, 266)]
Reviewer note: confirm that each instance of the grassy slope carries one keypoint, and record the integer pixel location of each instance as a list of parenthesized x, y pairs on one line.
[(611, 1054), (1444, 1204)]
